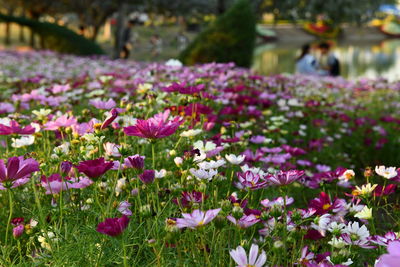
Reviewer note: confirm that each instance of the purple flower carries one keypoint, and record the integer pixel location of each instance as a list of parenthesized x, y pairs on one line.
[(393, 256), (14, 128), (240, 257), (135, 161), (66, 166), (124, 208), (197, 218), (18, 230), (103, 104), (190, 198), (284, 177), (94, 168), (154, 128), (250, 180), (245, 221), (17, 171), (147, 176), (113, 226), (384, 240)]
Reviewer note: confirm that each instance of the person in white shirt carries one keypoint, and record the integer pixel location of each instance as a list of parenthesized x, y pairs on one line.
[(306, 62)]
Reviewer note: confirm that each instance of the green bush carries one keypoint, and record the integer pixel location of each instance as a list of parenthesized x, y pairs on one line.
[(57, 38), (229, 39)]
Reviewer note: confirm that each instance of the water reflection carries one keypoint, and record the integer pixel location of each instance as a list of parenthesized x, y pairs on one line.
[(358, 59)]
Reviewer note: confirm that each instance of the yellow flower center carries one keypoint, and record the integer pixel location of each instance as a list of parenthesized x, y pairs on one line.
[(326, 206), (248, 265), (200, 223)]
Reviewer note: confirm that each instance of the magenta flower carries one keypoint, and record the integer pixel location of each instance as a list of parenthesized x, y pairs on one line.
[(15, 128), (245, 221), (113, 115), (17, 172), (155, 127), (250, 180), (54, 183), (197, 218), (240, 257), (147, 176), (284, 177), (94, 168), (393, 256), (135, 162), (63, 121), (323, 204), (113, 226), (189, 198)]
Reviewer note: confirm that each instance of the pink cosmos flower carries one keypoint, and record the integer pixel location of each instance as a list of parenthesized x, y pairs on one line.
[(284, 177), (15, 128), (255, 260), (113, 226), (17, 171), (109, 104), (156, 127), (250, 180), (384, 240), (245, 221), (197, 218), (94, 168), (63, 121), (392, 258), (54, 183)]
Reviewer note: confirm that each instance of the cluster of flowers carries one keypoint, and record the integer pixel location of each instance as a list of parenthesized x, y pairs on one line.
[(183, 158)]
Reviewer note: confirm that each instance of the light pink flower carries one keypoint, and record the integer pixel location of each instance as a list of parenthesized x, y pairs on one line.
[(196, 219), (255, 260)]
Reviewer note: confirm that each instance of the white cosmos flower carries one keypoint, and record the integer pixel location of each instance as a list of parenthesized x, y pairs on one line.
[(347, 175), (25, 140), (337, 242), (235, 160), (354, 230), (204, 147), (211, 164), (336, 228), (387, 173), (160, 174), (112, 149), (346, 263), (203, 174), (5, 121), (178, 161), (190, 133)]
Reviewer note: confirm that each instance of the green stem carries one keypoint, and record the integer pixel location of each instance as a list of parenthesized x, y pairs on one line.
[(153, 155), (10, 200), (124, 249)]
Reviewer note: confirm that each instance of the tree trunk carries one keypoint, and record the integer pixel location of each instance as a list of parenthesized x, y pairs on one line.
[(221, 7), (21, 34), (32, 39), (7, 38), (96, 30)]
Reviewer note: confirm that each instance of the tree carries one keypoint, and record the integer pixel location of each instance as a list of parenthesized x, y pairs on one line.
[(229, 39)]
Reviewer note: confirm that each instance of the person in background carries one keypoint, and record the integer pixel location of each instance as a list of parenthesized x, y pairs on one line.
[(306, 62), (126, 40), (329, 63)]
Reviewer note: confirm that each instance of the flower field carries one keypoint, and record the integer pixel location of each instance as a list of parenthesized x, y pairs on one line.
[(107, 163)]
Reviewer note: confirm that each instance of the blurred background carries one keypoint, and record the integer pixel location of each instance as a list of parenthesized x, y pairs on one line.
[(363, 34)]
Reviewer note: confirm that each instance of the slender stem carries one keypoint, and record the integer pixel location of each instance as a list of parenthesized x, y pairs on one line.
[(153, 155), (284, 225), (10, 200), (124, 249)]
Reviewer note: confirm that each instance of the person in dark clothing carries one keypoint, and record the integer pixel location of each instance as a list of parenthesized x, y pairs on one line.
[(126, 40), (329, 62)]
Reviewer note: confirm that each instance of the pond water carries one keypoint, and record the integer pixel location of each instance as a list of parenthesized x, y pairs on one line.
[(358, 59)]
